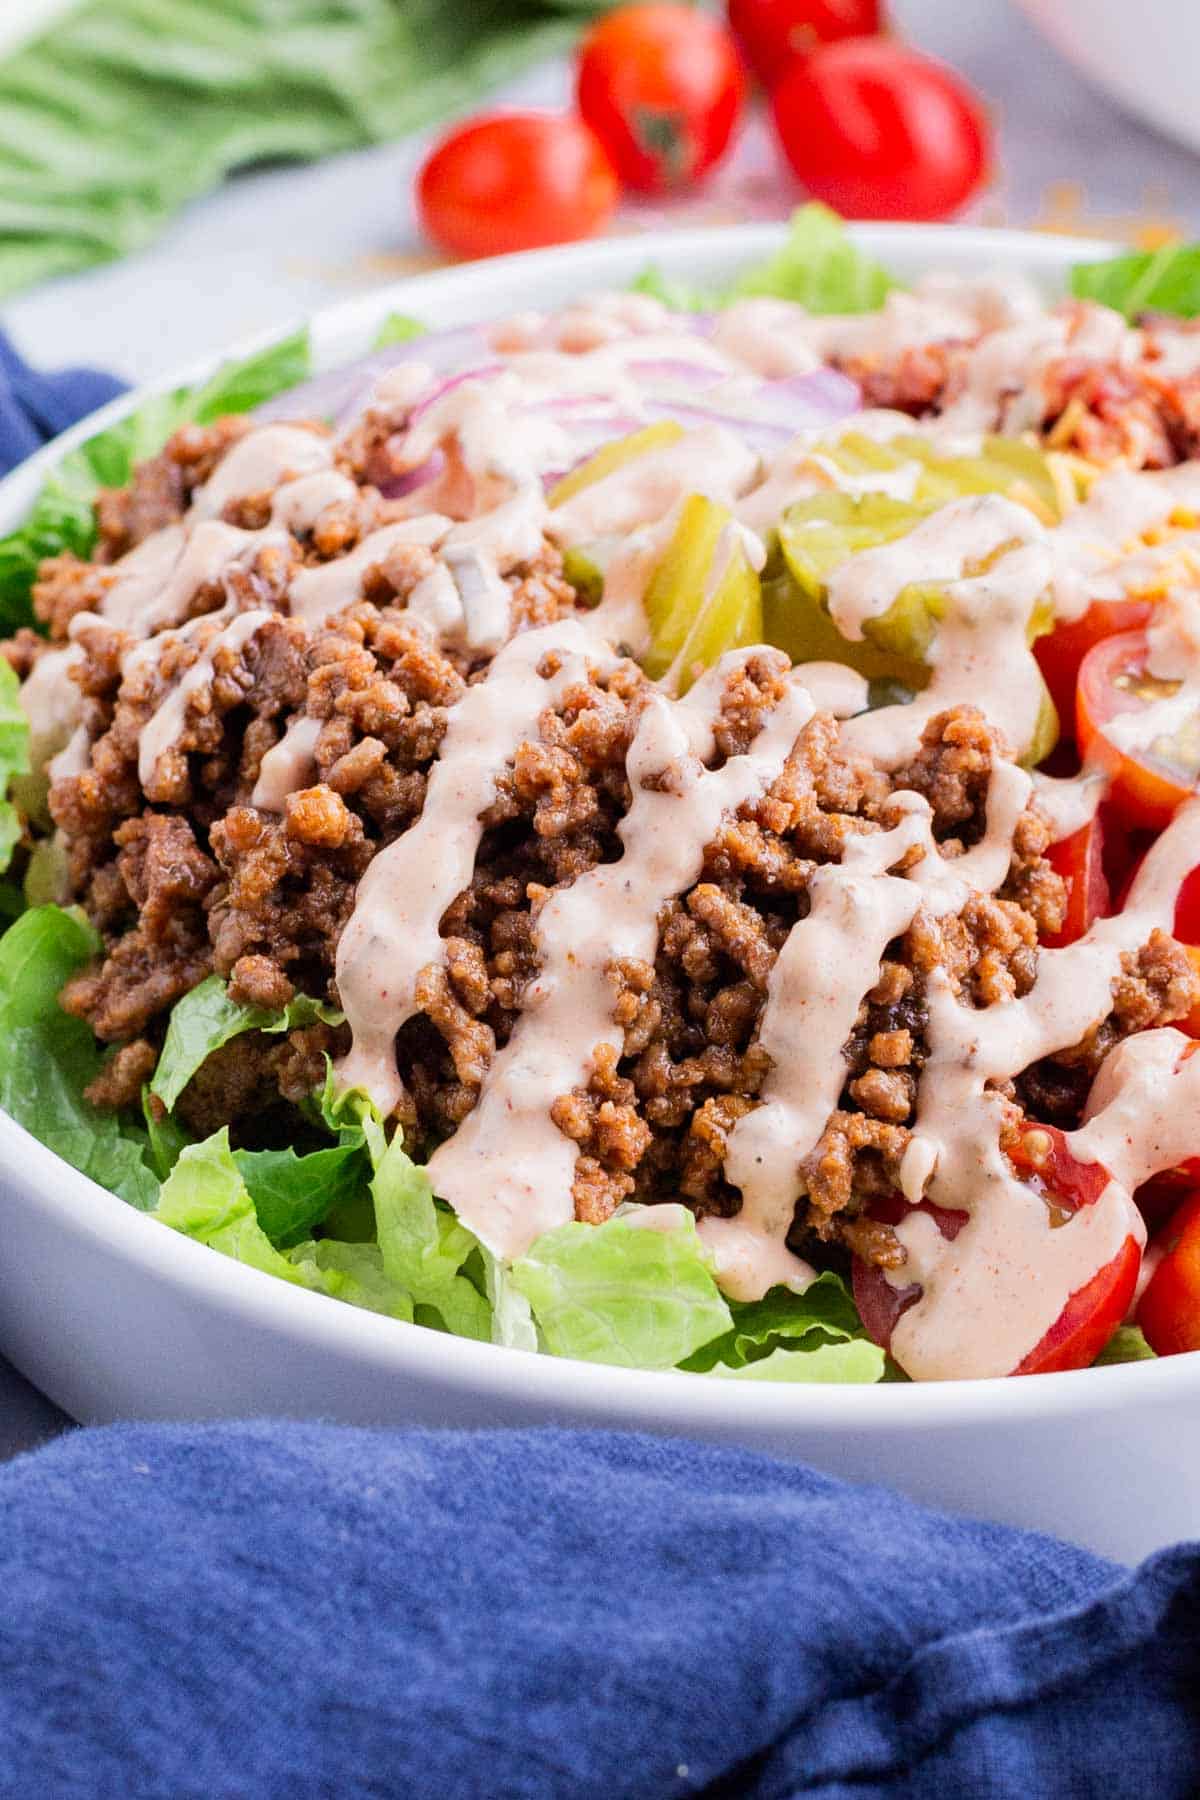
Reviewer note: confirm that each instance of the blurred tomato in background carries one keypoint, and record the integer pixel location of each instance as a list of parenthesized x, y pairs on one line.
[(773, 33), (661, 86), (861, 121)]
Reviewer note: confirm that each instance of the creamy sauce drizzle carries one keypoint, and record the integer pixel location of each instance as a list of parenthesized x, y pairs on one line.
[(287, 765), (508, 1169), (163, 728), (393, 932)]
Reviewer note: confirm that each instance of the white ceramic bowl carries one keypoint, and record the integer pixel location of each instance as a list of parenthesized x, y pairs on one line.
[(1147, 56), (116, 1317)]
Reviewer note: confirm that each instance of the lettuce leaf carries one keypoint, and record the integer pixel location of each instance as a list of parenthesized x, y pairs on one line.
[(856, 1360), (206, 1198), (47, 1058), (397, 328), (824, 1313), (622, 1292), (63, 519), (14, 758), (818, 267), (293, 1193), (1165, 280), (353, 1273), (1127, 1344), (206, 1018), (423, 1246)]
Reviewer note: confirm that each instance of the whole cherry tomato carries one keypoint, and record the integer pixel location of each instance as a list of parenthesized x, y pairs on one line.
[(880, 132), (773, 33), (661, 85), (514, 181)]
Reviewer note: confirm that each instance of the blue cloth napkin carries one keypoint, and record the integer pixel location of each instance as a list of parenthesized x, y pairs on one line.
[(279, 1609), (284, 1610), (35, 406)]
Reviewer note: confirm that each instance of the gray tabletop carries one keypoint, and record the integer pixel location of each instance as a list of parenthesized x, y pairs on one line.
[(275, 244)]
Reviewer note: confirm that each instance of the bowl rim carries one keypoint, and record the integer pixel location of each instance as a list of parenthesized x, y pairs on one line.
[(89, 1213)]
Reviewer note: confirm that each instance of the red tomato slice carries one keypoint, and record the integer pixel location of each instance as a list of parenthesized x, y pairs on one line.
[(1169, 1310), (1079, 859), (1089, 1318), (878, 131), (1145, 788), (879, 1303), (772, 33), (661, 85), (1042, 1158), (1060, 653), (513, 181)]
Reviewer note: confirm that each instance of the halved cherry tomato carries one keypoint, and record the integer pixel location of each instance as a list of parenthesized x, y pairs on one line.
[(1043, 1159), (1079, 859), (513, 181), (661, 85), (1092, 1313), (1062, 650), (1145, 787), (773, 33), (880, 132), (879, 1303), (1169, 1310), (1089, 1318)]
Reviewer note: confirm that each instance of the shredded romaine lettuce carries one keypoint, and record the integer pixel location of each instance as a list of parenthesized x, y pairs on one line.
[(824, 1313), (206, 1018), (14, 758), (47, 1057), (397, 328), (1165, 280), (855, 1360), (1127, 1344), (63, 519), (622, 1292), (819, 267)]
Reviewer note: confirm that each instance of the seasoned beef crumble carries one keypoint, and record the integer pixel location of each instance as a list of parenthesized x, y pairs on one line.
[(182, 874)]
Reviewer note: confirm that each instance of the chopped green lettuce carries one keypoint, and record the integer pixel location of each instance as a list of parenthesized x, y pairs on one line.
[(206, 1018), (47, 1057), (63, 519), (293, 1193), (423, 1246), (397, 328), (206, 1198), (1165, 280), (14, 758), (856, 1360), (819, 267), (824, 1313), (622, 1292), (1127, 1344)]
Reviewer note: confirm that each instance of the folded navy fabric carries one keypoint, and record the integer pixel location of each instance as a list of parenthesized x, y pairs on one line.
[(36, 406), (278, 1609)]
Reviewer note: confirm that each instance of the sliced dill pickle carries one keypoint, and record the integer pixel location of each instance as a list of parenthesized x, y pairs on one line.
[(676, 589), (611, 457), (1045, 731), (582, 568), (703, 597), (818, 534), (730, 619), (795, 621), (1003, 466)]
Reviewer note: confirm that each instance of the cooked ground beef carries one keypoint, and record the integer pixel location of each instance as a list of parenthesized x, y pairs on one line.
[(182, 875)]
